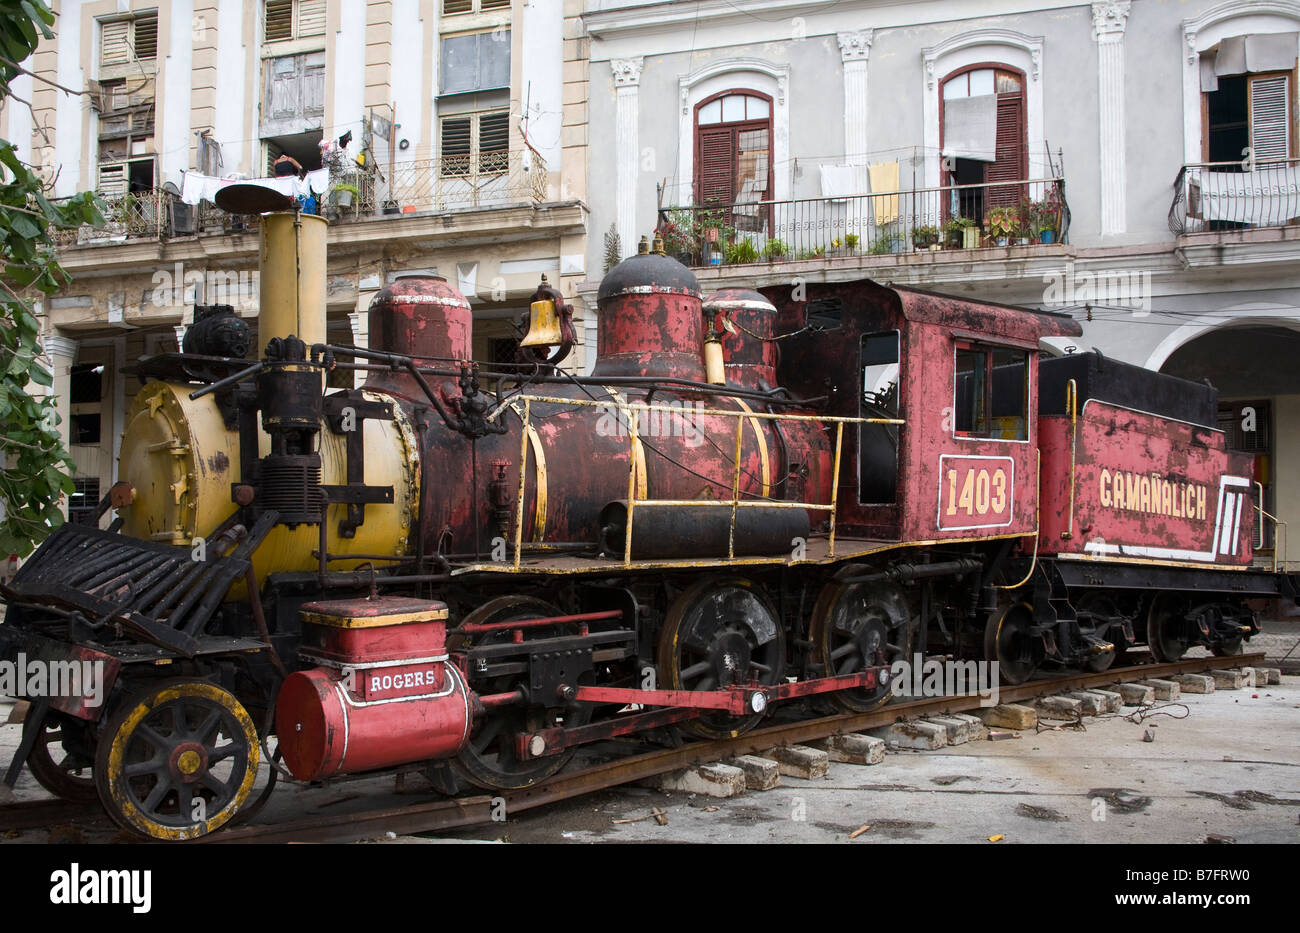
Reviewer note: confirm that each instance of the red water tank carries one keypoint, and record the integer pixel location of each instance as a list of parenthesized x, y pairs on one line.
[(382, 694), (650, 320), (748, 350), (418, 315)]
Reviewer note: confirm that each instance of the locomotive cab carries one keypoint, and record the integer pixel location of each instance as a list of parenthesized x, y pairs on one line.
[(961, 376)]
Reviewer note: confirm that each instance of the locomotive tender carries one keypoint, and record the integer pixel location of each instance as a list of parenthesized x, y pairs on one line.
[(474, 569)]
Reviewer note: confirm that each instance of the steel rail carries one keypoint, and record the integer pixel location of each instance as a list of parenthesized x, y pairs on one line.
[(459, 812)]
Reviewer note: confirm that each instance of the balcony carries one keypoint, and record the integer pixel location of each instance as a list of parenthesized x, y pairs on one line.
[(428, 186), (951, 217), (493, 179), (1222, 197)]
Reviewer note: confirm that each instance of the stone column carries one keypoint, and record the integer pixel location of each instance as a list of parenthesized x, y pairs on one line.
[(627, 81), (360, 321), (855, 48), (62, 352), (1108, 21)]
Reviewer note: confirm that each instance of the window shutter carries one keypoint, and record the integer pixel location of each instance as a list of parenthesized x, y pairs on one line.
[(283, 92), (279, 20), (311, 18), (1269, 127), (716, 157), (493, 4), (493, 142), (457, 6), (455, 140), (313, 84), (1010, 152), (145, 37), (114, 44), (112, 180)]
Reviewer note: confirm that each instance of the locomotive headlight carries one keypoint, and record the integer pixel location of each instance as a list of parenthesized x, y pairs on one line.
[(758, 702)]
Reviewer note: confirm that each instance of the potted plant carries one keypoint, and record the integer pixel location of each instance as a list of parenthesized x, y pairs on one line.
[(851, 241), (1045, 218), (925, 237), (775, 250), (344, 194), (741, 251), (1003, 223), (679, 240), (882, 247), (963, 233)]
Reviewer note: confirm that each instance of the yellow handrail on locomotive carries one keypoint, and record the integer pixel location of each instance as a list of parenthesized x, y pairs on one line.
[(1279, 530), (734, 503)]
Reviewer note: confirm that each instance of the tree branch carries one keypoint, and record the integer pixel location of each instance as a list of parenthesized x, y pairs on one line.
[(66, 90)]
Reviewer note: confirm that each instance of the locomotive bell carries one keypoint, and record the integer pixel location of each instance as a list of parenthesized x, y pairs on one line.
[(543, 324)]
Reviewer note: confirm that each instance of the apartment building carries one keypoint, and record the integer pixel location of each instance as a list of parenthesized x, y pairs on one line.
[(459, 146), (1131, 162)]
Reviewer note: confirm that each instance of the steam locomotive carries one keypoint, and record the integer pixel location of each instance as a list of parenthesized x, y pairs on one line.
[(471, 569)]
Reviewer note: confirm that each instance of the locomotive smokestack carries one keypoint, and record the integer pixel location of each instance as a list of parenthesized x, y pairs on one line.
[(292, 274)]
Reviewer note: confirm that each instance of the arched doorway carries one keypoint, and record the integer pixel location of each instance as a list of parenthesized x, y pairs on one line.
[(1253, 367)]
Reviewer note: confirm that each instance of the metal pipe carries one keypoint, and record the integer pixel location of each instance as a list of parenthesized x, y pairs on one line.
[(222, 383), (476, 628), (494, 700), (1038, 512), (906, 573)]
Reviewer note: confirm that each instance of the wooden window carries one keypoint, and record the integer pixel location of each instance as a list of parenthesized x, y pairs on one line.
[(1011, 152), (1252, 111), (733, 149), (1270, 123), (293, 19), (476, 62), (475, 144), (472, 6), (294, 95), (122, 41)]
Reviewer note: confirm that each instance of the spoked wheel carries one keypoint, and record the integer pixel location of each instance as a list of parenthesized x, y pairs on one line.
[(1168, 633), (61, 760), (857, 626), (1100, 604), (177, 760), (490, 759), (718, 633), (1008, 641)]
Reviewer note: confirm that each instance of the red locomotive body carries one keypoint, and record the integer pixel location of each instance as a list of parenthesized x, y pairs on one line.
[(1143, 487), (755, 498)]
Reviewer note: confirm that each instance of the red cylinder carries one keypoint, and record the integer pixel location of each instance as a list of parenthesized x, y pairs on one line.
[(418, 316), (324, 729), (650, 320), (749, 352)]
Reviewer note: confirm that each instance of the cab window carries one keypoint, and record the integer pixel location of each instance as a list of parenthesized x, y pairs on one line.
[(991, 392)]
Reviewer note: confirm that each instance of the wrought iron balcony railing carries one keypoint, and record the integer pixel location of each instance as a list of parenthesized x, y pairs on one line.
[(1220, 196), (950, 216), (488, 180)]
